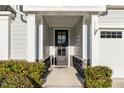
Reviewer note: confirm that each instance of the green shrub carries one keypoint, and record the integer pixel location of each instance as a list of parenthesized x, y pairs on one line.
[(21, 74), (35, 73), (19, 67), (13, 80), (97, 77)]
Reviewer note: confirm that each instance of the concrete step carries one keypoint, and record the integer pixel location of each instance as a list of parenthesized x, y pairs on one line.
[(63, 86)]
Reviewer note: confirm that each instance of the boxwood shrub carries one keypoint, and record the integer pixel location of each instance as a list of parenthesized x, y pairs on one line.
[(21, 74), (97, 77)]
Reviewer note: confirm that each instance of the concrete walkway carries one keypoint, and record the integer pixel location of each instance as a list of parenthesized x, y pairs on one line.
[(63, 77), (118, 83)]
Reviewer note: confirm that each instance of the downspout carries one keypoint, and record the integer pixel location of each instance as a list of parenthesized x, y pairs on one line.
[(21, 9), (22, 13)]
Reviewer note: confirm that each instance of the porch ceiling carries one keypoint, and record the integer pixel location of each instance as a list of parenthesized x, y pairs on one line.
[(62, 21)]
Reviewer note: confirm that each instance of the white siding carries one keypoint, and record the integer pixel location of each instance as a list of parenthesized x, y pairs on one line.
[(18, 38), (113, 19), (4, 37), (111, 51)]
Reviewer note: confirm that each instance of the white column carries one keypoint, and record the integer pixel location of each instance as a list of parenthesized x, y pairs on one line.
[(94, 40), (5, 37), (41, 39), (84, 38), (31, 37)]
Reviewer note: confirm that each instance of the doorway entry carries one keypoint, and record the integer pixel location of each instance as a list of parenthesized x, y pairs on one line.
[(61, 44)]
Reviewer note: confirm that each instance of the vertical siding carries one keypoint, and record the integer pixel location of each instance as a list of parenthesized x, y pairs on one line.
[(18, 38)]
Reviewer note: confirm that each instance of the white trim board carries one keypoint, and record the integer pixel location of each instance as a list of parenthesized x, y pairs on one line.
[(64, 8)]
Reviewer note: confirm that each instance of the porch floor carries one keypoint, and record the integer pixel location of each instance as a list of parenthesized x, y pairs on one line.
[(63, 77)]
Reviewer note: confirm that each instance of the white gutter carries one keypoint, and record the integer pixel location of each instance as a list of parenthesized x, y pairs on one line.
[(115, 6), (22, 14), (64, 8)]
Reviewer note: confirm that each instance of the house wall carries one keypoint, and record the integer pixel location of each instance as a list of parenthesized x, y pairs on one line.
[(112, 17), (18, 38), (51, 45), (77, 38), (111, 50), (71, 36), (46, 39), (71, 41), (5, 22)]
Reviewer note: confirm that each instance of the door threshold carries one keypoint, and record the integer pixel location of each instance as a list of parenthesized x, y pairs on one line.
[(59, 66)]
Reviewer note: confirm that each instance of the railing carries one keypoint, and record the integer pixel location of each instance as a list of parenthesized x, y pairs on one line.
[(48, 62), (78, 64)]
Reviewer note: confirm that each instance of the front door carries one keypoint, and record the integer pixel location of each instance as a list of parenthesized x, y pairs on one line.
[(61, 43)]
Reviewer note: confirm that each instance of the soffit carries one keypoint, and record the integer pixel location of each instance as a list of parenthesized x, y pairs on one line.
[(62, 21)]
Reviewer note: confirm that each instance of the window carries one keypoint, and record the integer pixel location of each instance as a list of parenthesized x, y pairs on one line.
[(111, 34), (61, 37)]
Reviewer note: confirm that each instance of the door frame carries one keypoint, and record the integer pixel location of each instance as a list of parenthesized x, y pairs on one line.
[(63, 28)]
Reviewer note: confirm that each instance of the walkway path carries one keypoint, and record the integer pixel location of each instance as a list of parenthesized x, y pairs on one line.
[(63, 77)]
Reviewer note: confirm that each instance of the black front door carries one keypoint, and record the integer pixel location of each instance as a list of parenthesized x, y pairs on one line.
[(61, 43)]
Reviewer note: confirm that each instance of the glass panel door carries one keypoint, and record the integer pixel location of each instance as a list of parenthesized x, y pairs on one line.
[(61, 43)]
